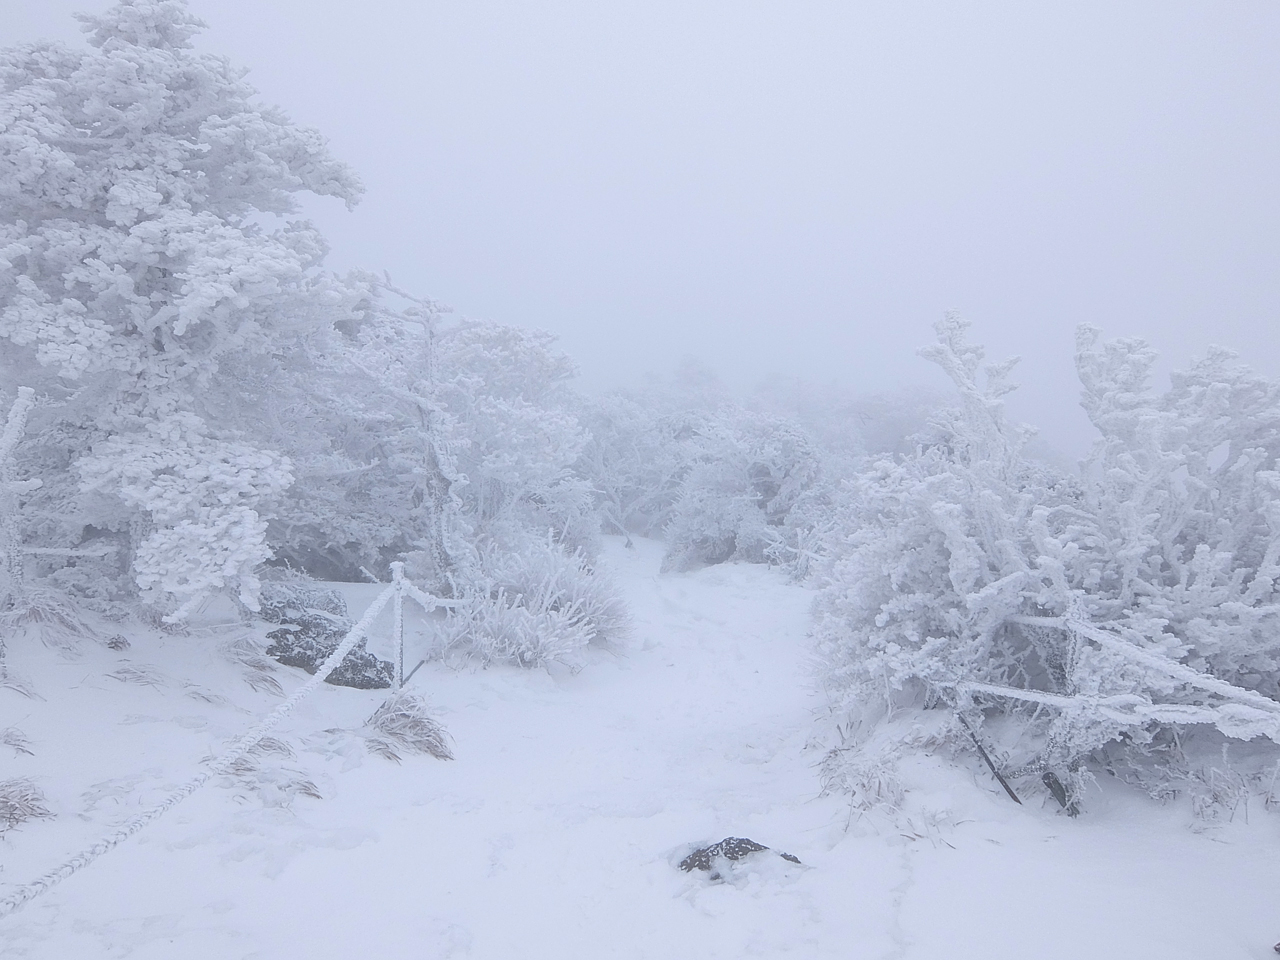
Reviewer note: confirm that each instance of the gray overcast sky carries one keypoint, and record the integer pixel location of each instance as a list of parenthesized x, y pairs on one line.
[(796, 187)]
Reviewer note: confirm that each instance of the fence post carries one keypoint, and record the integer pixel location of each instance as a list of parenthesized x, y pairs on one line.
[(397, 579)]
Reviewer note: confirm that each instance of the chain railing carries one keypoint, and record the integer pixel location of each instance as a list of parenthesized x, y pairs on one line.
[(395, 592)]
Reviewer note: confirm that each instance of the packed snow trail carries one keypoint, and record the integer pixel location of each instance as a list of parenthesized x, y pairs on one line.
[(555, 832)]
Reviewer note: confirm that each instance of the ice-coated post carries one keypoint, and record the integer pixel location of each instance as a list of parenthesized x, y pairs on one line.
[(397, 579)]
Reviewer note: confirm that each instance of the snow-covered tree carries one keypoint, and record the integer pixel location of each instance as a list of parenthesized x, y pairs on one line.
[(448, 445), (533, 588), (141, 259), (433, 438), (371, 447), (752, 491), (715, 480), (930, 552), (517, 437), (11, 489)]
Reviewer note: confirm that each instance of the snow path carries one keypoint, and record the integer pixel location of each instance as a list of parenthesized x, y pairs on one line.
[(554, 832)]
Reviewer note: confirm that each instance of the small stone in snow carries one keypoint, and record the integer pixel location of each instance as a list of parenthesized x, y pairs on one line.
[(731, 848)]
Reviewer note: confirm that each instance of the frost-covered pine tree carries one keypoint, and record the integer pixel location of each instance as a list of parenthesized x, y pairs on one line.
[(144, 267)]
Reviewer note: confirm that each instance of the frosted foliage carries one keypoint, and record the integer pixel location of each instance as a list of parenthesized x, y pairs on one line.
[(717, 484), (129, 176), (1186, 496), (451, 445), (200, 494), (11, 489), (535, 606), (136, 269), (203, 395), (517, 437), (745, 494), (932, 550), (636, 460), (379, 478), (1097, 610), (438, 438)]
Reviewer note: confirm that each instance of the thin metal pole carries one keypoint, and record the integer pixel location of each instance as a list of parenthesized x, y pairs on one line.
[(397, 578), (987, 757)]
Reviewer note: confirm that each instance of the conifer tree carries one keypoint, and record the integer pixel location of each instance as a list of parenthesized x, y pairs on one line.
[(146, 268)]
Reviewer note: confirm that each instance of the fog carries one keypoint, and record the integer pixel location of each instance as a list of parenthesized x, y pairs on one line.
[(795, 189)]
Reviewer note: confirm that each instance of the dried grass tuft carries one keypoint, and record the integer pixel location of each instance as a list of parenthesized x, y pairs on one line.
[(244, 651), (403, 722), (11, 681), (50, 615), (20, 800), (258, 668), (271, 746), (197, 692), (870, 780), (275, 784), (141, 674), (263, 683), (15, 739), (380, 747)]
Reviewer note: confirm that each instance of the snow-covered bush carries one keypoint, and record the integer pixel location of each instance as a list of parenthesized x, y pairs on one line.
[(534, 606), (21, 800), (11, 489), (517, 437), (202, 497), (1064, 612), (636, 459), (1185, 492), (436, 439), (371, 447)]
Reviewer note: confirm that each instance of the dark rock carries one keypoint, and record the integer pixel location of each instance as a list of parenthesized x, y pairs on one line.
[(730, 848), (313, 622)]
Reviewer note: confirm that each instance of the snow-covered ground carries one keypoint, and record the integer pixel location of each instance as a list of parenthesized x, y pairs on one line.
[(556, 830)]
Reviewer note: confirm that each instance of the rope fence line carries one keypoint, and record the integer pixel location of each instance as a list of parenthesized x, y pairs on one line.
[(1245, 714), (1170, 667), (24, 894)]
